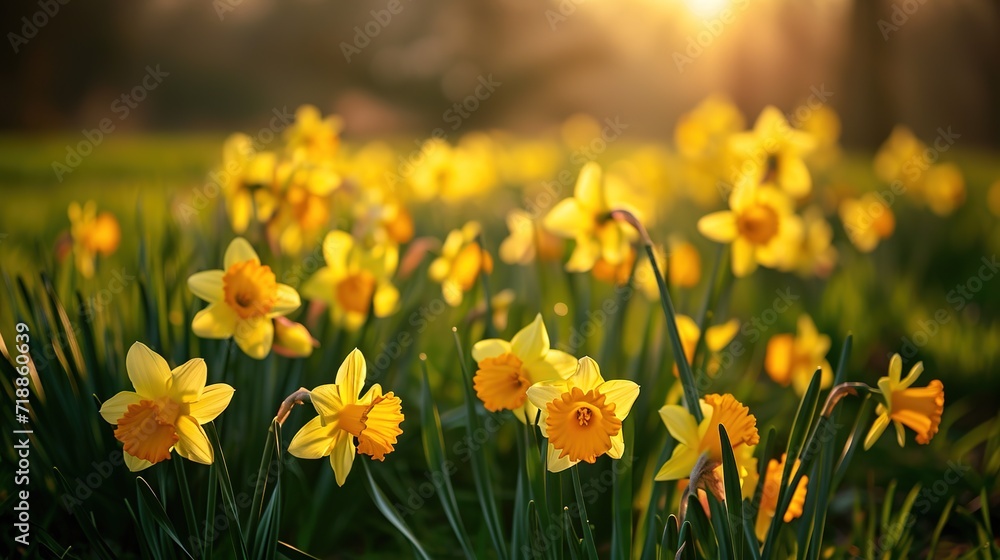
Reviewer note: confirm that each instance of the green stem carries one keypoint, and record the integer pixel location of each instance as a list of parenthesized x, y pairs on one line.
[(588, 534)]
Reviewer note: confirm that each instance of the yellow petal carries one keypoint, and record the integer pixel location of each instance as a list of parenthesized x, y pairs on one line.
[(895, 369), (326, 401), (136, 464), (617, 445), (314, 440), (876, 430), (718, 337), (320, 286), (240, 207), (793, 176), (147, 370), (218, 320), (239, 250), (115, 407), (386, 300), (207, 285), (541, 394), (718, 226), (744, 261), (554, 463), (342, 456), (337, 247), (587, 376), (589, 189), (255, 336), (679, 466), (680, 424), (286, 302), (351, 377), (568, 219), (563, 363), (490, 348), (532, 341), (900, 433), (915, 372), (214, 399), (584, 255), (193, 442), (187, 381), (622, 393)]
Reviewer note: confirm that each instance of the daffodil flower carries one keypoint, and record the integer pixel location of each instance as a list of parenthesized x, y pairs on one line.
[(773, 152), (507, 369), (717, 337), (372, 419), (582, 415), (793, 359), (760, 226), (242, 299), (527, 241), (166, 411), (867, 220), (92, 234), (461, 260), (916, 408), (694, 439), (769, 496), (292, 339), (356, 280), (304, 207), (311, 137), (584, 218), (248, 182)]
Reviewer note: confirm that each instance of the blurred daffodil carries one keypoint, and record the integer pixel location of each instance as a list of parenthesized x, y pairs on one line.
[(944, 188), (760, 226), (461, 261), (248, 182), (243, 298), (900, 158), (773, 152), (304, 208), (582, 415), (356, 280), (371, 419), (528, 241), (816, 255), (867, 220), (92, 234), (584, 217), (769, 496), (717, 337), (311, 137), (823, 124), (694, 439), (454, 173), (684, 264), (919, 408), (793, 359), (166, 411), (292, 339), (616, 274), (507, 369)]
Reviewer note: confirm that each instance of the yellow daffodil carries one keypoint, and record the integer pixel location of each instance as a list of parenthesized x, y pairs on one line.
[(694, 439), (899, 158), (461, 261), (312, 137), (507, 369), (684, 264), (356, 280), (867, 220), (248, 182), (717, 337), (454, 173), (304, 209), (773, 152), (916, 408), (372, 419), (816, 255), (292, 339), (584, 218), (528, 241), (92, 234), (582, 415), (243, 298), (760, 226), (702, 139), (617, 274), (944, 188), (769, 496), (166, 411), (381, 216), (793, 359)]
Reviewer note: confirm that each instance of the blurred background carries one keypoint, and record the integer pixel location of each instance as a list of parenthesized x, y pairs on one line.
[(923, 63)]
